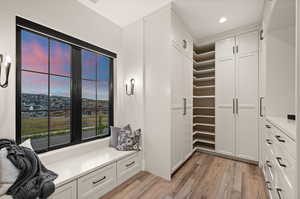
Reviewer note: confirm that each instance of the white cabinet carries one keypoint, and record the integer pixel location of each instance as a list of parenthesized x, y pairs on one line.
[(128, 167), (225, 93), (67, 191), (181, 120), (97, 183), (237, 96), (279, 163), (168, 92)]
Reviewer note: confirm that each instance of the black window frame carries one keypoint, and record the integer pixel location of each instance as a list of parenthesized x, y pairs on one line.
[(76, 88)]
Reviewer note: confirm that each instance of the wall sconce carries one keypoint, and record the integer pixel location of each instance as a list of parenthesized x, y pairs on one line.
[(130, 87), (7, 64)]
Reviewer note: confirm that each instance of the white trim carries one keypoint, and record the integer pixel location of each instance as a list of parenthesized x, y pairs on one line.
[(226, 34)]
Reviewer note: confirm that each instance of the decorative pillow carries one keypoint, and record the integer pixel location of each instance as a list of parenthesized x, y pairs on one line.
[(114, 134), (129, 141), (9, 173), (27, 144)]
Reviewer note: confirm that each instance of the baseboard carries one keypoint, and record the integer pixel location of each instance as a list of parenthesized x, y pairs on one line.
[(228, 157)]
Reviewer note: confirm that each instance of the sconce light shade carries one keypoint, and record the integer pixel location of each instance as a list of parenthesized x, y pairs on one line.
[(130, 87), (7, 64)]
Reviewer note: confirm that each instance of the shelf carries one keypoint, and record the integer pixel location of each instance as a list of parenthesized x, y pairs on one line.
[(204, 149), (204, 141), (205, 54), (204, 124), (203, 133), (204, 97), (203, 87), (196, 72), (206, 116), (203, 107), (204, 63), (203, 79)]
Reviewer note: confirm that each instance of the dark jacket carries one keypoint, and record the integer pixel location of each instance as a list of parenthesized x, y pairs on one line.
[(34, 180)]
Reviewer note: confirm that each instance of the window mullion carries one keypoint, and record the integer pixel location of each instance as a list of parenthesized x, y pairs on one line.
[(76, 132)]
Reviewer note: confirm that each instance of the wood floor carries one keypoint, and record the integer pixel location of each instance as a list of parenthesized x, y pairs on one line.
[(202, 177)]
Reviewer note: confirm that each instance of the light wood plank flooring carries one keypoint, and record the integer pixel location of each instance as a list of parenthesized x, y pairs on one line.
[(202, 177)]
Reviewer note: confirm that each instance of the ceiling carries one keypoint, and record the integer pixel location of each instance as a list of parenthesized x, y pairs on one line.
[(200, 16), (124, 12)]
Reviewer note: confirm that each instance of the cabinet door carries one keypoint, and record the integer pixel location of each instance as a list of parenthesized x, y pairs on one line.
[(177, 138), (188, 132), (177, 78), (225, 93), (67, 191), (188, 80), (247, 95), (225, 48)]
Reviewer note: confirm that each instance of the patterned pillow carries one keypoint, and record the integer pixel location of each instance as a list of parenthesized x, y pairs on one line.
[(129, 141)]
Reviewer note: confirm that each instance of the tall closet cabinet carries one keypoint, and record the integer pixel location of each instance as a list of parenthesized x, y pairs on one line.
[(168, 91), (237, 67)]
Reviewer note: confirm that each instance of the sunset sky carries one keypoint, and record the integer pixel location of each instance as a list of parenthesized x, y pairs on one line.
[(35, 57)]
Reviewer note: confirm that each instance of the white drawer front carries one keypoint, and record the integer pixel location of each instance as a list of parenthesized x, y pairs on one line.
[(283, 190), (287, 165), (284, 142), (98, 183), (128, 167), (67, 191)]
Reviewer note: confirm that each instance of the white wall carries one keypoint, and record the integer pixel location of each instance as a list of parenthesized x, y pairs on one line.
[(298, 92), (280, 93), (132, 107), (67, 16), (158, 93)]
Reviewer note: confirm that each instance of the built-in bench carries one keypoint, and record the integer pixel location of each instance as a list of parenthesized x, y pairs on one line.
[(90, 170)]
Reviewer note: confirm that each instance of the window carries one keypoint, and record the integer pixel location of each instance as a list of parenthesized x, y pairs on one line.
[(64, 92)]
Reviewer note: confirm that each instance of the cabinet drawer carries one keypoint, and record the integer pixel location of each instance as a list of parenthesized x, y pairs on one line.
[(97, 183), (268, 137), (287, 165), (283, 190), (284, 142), (67, 191), (128, 167)]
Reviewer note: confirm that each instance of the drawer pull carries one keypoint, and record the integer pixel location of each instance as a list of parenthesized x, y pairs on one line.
[(130, 164), (96, 182), (279, 191), (268, 163), (279, 160), (269, 141), (278, 137), (268, 183), (268, 126)]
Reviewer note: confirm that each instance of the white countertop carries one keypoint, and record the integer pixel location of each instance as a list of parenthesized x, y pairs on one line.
[(74, 167), (285, 125)]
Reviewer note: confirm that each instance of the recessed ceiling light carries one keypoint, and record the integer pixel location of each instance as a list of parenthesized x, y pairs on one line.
[(222, 20)]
